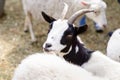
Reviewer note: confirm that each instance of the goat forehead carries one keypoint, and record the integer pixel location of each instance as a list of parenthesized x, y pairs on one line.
[(59, 27)]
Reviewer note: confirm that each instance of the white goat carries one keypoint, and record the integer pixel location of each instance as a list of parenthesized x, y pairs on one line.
[(113, 46), (50, 67), (62, 39), (33, 8)]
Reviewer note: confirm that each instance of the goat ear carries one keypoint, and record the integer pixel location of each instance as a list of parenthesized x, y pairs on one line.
[(48, 18), (85, 3), (81, 29)]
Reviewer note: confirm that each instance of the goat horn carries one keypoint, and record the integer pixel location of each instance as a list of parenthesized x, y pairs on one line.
[(72, 19), (64, 12)]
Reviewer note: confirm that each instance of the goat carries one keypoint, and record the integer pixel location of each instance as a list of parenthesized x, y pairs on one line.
[(63, 40), (41, 66), (113, 46), (33, 8)]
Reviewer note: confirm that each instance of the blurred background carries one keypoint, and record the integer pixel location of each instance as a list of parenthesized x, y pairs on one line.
[(16, 45)]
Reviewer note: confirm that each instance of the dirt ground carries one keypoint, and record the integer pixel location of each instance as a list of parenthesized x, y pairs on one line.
[(15, 44)]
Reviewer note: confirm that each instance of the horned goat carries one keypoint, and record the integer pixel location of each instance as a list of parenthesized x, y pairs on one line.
[(63, 40), (33, 8)]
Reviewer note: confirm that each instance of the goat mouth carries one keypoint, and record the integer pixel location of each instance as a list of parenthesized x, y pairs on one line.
[(48, 50)]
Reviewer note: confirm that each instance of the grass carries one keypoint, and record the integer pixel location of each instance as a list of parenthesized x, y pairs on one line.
[(15, 44)]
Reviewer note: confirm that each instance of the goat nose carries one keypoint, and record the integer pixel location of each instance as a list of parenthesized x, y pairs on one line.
[(48, 45)]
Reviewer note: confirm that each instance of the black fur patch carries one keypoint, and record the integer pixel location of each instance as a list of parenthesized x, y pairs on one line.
[(83, 54), (83, 28), (50, 26), (119, 1), (48, 18), (68, 38)]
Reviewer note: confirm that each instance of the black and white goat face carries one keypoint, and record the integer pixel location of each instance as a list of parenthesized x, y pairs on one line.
[(62, 33)]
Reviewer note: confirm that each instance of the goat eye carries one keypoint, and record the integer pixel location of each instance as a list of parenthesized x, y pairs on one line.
[(69, 36)]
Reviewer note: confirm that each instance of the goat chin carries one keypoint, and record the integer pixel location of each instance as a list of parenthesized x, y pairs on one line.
[(60, 54)]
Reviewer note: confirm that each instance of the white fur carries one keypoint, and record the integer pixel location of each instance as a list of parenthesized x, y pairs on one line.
[(33, 8), (54, 8), (103, 66), (50, 67), (113, 46)]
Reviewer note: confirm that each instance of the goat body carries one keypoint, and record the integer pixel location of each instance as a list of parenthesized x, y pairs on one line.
[(113, 46), (33, 8), (50, 67), (102, 65)]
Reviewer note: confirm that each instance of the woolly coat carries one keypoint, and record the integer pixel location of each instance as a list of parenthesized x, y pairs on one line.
[(50, 67)]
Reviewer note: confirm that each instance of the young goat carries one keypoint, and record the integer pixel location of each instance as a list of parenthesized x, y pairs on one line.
[(113, 46), (62, 39), (33, 8), (50, 67)]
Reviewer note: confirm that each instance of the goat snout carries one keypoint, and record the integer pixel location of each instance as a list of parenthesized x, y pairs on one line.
[(48, 45)]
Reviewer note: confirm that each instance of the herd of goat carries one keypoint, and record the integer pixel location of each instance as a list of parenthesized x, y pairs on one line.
[(65, 55)]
